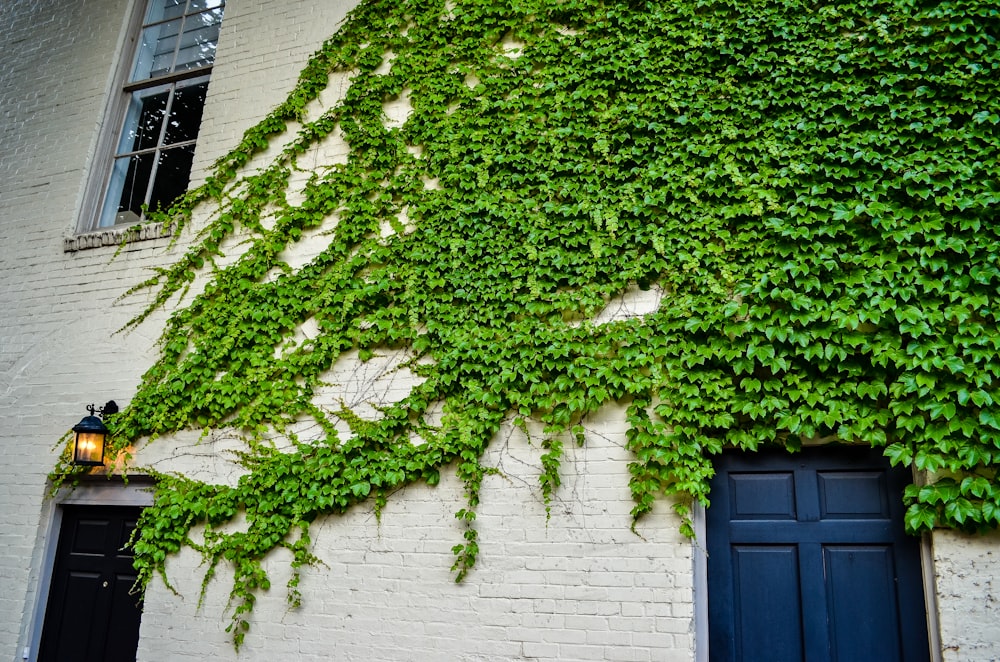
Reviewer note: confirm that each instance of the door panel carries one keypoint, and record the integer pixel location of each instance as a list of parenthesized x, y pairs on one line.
[(90, 615), (808, 560), (762, 496), (767, 601), (861, 581), (853, 495)]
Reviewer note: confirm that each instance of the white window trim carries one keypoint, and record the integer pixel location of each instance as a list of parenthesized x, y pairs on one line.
[(87, 233)]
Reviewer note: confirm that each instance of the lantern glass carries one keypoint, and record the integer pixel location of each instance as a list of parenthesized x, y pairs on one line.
[(89, 449), (90, 435)]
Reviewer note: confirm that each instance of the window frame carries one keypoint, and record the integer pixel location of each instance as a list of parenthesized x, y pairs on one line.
[(113, 131)]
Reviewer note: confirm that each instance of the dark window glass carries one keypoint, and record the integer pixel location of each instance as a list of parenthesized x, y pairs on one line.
[(172, 174), (139, 168), (146, 133), (185, 113)]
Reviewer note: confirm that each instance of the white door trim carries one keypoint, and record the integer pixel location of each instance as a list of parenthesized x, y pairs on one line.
[(112, 492)]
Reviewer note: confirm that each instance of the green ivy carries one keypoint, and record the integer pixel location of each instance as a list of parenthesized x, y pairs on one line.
[(814, 188)]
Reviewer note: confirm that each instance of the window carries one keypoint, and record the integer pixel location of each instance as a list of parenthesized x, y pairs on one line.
[(165, 93)]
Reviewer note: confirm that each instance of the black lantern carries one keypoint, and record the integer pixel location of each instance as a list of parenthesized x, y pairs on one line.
[(91, 433)]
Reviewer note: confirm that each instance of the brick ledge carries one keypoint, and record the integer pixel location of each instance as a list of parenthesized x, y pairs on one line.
[(115, 236)]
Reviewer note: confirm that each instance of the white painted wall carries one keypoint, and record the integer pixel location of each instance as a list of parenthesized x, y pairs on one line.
[(583, 587), (580, 586), (53, 358), (968, 576)]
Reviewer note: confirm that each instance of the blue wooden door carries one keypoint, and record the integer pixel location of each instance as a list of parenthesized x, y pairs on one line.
[(808, 560)]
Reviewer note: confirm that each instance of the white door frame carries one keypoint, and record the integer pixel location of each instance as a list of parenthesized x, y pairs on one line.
[(99, 492)]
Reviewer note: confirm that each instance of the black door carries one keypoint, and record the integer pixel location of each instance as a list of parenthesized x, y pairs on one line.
[(91, 615), (808, 560)]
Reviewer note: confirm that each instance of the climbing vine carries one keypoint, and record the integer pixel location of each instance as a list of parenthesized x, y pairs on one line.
[(813, 187)]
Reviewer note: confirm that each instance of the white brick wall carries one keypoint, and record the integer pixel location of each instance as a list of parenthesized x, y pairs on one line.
[(262, 49), (968, 595), (580, 587), (57, 59)]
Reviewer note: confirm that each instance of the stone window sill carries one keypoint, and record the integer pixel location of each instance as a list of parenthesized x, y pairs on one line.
[(115, 236)]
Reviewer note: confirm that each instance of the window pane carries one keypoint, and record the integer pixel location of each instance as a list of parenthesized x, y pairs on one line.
[(144, 120), (172, 175), (199, 5), (136, 170), (163, 9), (201, 33), (110, 209), (185, 113), (156, 50)]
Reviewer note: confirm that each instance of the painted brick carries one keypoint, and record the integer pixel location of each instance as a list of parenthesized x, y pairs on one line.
[(568, 652), (533, 650)]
